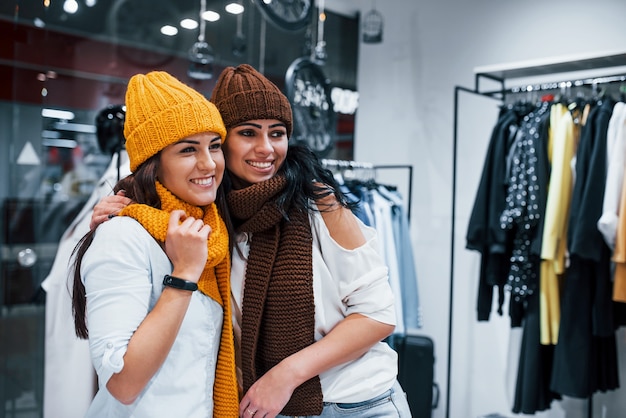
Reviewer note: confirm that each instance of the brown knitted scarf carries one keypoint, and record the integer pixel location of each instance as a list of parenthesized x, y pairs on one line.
[(214, 282), (278, 312)]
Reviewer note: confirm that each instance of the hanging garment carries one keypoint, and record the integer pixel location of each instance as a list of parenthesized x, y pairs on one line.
[(69, 377), (385, 230), (383, 208), (412, 312), (525, 204), (616, 154), (532, 391), (483, 231), (585, 356), (562, 142)]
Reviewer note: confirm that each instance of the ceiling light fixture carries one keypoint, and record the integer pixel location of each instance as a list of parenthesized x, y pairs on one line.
[(240, 45), (190, 24), (234, 8), (319, 53), (201, 54), (169, 30), (70, 6), (210, 16)]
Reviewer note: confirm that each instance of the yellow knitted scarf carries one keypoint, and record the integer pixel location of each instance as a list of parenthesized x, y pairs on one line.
[(214, 282)]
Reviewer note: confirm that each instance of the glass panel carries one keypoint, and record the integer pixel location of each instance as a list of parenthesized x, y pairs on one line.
[(52, 60)]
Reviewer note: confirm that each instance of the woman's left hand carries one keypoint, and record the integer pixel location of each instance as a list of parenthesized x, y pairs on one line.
[(267, 396), (185, 245)]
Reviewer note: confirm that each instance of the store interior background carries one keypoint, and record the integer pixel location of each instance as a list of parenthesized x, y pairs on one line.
[(406, 112)]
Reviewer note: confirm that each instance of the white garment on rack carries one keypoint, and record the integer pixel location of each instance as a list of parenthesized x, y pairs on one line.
[(384, 228), (616, 155), (69, 377)]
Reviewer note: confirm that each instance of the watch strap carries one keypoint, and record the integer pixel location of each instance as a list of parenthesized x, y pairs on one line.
[(177, 283)]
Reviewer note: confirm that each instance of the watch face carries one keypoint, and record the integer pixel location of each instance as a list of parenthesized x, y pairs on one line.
[(287, 14), (308, 91)]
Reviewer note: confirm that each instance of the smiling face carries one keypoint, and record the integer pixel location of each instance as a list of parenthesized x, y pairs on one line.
[(255, 149), (193, 168)]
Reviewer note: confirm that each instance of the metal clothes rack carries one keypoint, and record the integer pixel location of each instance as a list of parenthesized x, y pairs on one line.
[(501, 74), (356, 165)]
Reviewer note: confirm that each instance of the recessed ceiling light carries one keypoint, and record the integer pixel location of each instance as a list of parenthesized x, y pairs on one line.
[(211, 16), (70, 6), (189, 24), (169, 30), (234, 8)]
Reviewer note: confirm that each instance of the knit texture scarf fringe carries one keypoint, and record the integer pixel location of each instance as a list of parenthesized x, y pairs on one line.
[(214, 282), (278, 312)]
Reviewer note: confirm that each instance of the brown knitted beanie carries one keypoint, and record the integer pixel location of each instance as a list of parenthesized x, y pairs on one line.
[(242, 93), (161, 110)]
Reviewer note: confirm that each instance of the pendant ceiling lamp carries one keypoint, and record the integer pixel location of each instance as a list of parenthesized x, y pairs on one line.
[(239, 44), (201, 54), (319, 52)]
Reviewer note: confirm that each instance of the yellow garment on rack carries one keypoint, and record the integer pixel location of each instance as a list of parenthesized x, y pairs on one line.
[(619, 253), (562, 147)]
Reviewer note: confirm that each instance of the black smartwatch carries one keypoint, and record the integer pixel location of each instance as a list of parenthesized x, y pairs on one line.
[(177, 283)]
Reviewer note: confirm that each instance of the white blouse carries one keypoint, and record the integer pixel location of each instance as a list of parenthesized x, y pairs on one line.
[(345, 282), (123, 272)]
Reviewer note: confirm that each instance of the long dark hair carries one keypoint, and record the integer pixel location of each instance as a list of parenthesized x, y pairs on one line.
[(308, 181), (140, 187)]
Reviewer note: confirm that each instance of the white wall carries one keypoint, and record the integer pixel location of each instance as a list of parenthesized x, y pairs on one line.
[(406, 87)]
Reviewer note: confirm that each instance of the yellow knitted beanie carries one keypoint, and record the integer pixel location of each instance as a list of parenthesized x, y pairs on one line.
[(161, 110)]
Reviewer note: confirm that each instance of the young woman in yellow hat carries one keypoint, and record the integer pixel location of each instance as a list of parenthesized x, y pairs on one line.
[(151, 287)]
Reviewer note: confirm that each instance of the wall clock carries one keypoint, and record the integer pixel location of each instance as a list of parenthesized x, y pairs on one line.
[(308, 91), (287, 14)]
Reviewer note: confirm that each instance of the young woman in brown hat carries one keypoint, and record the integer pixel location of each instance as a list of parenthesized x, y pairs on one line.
[(160, 348), (311, 297)]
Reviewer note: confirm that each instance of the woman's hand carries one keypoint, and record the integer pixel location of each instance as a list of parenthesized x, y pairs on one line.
[(186, 245), (107, 207), (348, 340), (268, 395)]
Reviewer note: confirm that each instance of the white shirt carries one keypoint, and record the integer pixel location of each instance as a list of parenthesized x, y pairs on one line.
[(344, 282), (123, 272)]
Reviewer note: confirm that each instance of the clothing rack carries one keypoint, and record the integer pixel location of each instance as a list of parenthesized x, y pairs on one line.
[(356, 165), (552, 86), (500, 74)]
